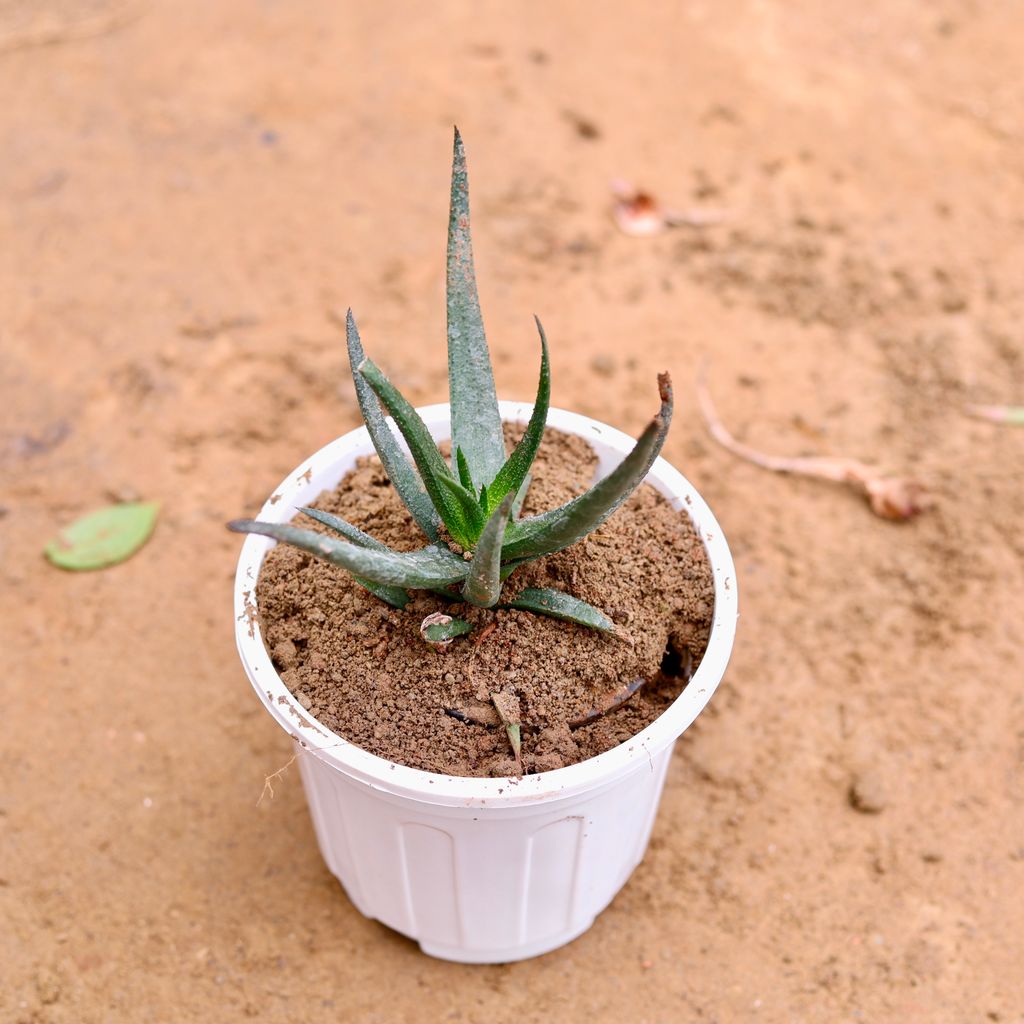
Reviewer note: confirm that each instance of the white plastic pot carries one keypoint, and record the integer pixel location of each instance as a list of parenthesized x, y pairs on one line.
[(483, 870)]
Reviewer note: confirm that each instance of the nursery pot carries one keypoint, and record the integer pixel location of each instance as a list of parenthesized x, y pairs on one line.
[(483, 870)]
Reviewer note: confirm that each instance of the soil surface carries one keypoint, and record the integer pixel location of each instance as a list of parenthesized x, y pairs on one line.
[(192, 192), (362, 669)]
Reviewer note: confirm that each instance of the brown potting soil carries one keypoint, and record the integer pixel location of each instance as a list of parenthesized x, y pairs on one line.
[(361, 667)]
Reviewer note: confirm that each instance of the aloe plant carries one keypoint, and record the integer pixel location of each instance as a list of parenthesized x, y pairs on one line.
[(468, 509)]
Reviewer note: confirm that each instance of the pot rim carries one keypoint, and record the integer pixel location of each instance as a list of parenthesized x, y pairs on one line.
[(460, 791)]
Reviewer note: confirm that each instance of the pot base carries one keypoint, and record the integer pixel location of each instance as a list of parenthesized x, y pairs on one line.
[(482, 888), (461, 955)]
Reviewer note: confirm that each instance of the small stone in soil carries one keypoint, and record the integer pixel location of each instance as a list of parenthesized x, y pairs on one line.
[(867, 794)]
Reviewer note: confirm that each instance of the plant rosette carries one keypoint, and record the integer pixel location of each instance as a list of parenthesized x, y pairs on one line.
[(483, 870)]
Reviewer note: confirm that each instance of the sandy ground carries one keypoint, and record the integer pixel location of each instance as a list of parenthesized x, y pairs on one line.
[(188, 191)]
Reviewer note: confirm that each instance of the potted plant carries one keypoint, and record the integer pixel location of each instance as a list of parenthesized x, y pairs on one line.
[(475, 868)]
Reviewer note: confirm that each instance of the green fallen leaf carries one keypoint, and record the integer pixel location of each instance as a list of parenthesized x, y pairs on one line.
[(104, 537)]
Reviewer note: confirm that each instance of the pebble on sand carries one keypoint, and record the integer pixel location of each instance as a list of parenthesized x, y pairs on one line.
[(867, 793)]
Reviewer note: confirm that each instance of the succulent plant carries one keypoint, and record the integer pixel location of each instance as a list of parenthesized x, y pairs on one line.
[(476, 499)]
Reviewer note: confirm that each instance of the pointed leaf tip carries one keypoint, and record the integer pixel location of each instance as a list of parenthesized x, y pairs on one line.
[(517, 466), (558, 605), (476, 423), (561, 527), (351, 533), (665, 388)]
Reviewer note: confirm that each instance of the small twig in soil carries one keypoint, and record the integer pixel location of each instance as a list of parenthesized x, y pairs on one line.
[(486, 718), (894, 498), (268, 782), (610, 703), (485, 632), (1013, 415), (481, 636), (461, 716)]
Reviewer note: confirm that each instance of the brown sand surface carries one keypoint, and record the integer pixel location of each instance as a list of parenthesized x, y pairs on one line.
[(188, 190)]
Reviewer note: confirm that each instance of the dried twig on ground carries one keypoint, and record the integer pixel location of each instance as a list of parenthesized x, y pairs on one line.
[(895, 498), (50, 29)]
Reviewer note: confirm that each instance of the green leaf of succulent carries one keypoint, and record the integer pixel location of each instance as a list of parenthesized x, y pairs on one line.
[(472, 515), (397, 597), (507, 568), (558, 605), (433, 469), (428, 568), (563, 526), (517, 505), (104, 537), (345, 528), (483, 584), (394, 596), (511, 476), (405, 479), (465, 477), (443, 629), (476, 423)]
